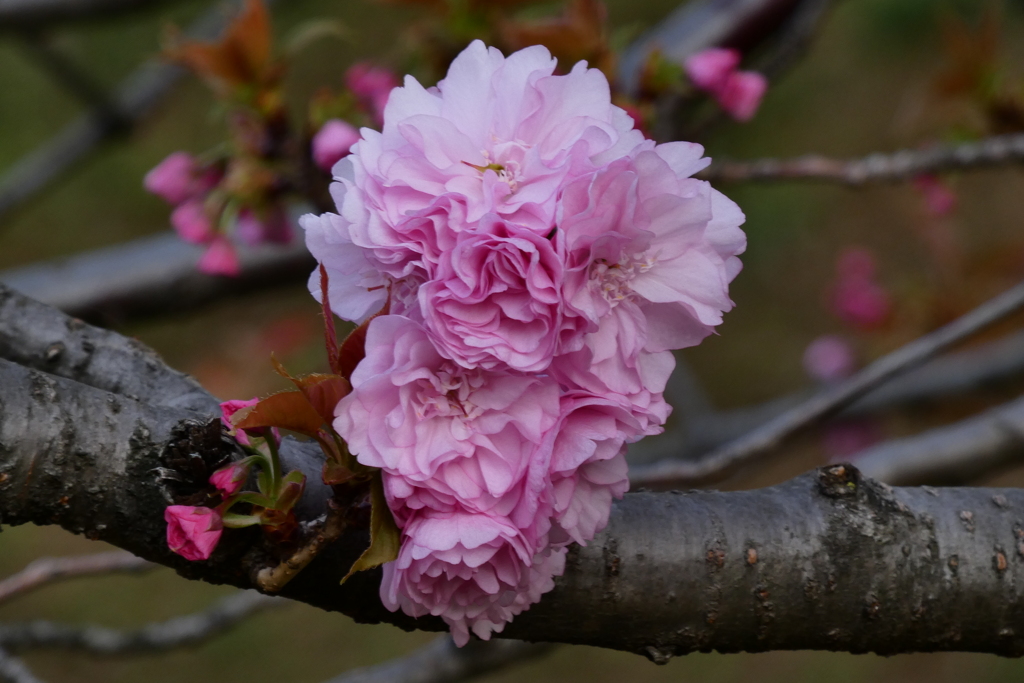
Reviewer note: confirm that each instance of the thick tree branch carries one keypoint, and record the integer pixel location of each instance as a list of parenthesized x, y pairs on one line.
[(152, 275), (856, 565), (38, 336), (443, 662), (49, 569), (173, 633), (895, 166), (829, 401)]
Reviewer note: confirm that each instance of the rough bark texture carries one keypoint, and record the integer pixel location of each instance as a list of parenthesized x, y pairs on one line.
[(826, 561), (37, 336)]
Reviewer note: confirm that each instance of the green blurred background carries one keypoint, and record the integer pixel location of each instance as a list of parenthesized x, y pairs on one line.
[(865, 86)]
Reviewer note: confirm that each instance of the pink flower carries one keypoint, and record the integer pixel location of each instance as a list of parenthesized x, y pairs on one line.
[(495, 300), (179, 178), (715, 71), (193, 532), (828, 358), (496, 136), (227, 411), (541, 260), (229, 480), (271, 226), (588, 464), (332, 142), (192, 223), (741, 96), (650, 253), (939, 198), (474, 571), (220, 259), (450, 438), (710, 69), (373, 85), (173, 179), (857, 298)]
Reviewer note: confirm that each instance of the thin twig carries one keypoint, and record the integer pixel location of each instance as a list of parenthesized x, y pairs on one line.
[(723, 460), (136, 97), (951, 375), (72, 77), (34, 14), (49, 569), (697, 25), (273, 579), (170, 634), (152, 275), (895, 166), (954, 454), (13, 670), (442, 662)]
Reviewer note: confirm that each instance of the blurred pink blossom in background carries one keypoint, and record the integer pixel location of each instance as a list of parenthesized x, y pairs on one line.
[(332, 142), (715, 71), (857, 297), (828, 358), (938, 197), (372, 85)]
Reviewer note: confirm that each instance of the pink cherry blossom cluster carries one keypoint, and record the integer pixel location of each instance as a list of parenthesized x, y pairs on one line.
[(540, 259), (716, 71), (189, 186)]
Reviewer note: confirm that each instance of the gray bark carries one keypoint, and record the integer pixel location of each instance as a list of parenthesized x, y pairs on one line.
[(826, 561), (829, 560)]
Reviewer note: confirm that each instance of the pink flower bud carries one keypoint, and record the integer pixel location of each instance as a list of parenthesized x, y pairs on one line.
[(333, 142), (193, 532), (220, 259), (857, 298), (741, 95), (939, 198), (373, 85), (828, 358), (227, 410), (230, 480), (272, 227), (192, 223), (173, 179), (709, 69)]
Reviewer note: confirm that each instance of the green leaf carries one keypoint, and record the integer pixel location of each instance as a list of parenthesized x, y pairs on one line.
[(233, 520), (253, 498), (385, 538)]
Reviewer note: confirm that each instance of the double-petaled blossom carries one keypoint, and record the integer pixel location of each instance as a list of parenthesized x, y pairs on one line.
[(193, 532), (450, 437), (540, 260), (474, 571)]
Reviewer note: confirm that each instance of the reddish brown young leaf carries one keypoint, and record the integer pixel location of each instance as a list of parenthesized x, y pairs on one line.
[(286, 410), (580, 33), (242, 57), (353, 349), (322, 391), (330, 333), (251, 38)]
